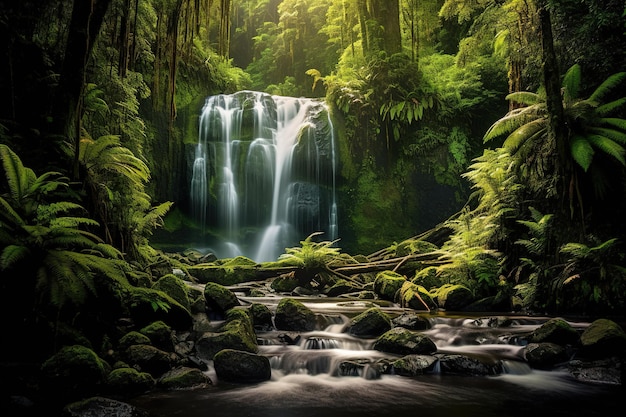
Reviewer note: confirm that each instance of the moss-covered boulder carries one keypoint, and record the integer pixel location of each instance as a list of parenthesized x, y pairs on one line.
[(72, 373), (371, 323), (184, 378), (147, 305), (415, 297), (458, 364), (293, 315), (341, 287), (387, 284), (453, 297), (428, 278), (402, 341), (160, 335), (232, 271), (236, 333), (285, 283), (555, 330), (219, 299), (148, 359), (603, 338), (238, 366), (261, 316), (133, 338), (175, 287), (128, 382)]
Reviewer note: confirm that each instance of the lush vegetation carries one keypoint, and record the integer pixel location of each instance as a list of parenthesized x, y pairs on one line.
[(513, 110)]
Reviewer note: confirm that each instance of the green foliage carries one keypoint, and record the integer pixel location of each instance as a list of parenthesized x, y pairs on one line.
[(311, 255), (48, 237)]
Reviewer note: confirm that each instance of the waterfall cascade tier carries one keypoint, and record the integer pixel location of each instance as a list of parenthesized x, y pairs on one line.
[(263, 174)]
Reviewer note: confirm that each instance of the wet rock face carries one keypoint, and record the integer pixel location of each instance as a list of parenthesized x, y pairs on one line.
[(372, 322), (404, 342), (294, 315)]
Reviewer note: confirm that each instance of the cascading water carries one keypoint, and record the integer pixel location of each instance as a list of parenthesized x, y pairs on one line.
[(263, 175)]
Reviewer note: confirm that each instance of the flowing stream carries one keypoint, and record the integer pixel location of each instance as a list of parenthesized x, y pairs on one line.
[(308, 378)]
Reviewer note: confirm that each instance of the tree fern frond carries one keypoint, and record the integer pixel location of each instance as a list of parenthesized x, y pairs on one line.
[(18, 176), (11, 216), (609, 147), (73, 222), (522, 134), (582, 151), (571, 83), (13, 254), (526, 98), (608, 108), (614, 121), (612, 134), (606, 86), (509, 123)]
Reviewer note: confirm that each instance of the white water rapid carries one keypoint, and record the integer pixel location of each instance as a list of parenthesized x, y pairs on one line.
[(263, 174)]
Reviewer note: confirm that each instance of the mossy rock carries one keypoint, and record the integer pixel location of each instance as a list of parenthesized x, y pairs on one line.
[(218, 298), (236, 333), (387, 284), (239, 366), (184, 378), (292, 314), (285, 283), (128, 382), (72, 373), (453, 297), (160, 334), (428, 278), (149, 359), (413, 365), (603, 338), (371, 323), (175, 288), (402, 341), (555, 330), (133, 338), (261, 316), (231, 272), (416, 297)]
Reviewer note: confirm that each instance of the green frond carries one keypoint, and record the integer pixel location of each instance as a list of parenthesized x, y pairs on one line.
[(571, 82), (614, 121), (608, 146), (582, 151), (525, 97), (512, 121), (11, 216), (524, 133), (47, 182), (608, 108), (606, 86), (18, 176), (54, 209), (612, 134), (73, 222), (13, 254)]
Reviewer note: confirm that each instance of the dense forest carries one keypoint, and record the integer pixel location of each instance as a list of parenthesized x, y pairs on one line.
[(493, 129)]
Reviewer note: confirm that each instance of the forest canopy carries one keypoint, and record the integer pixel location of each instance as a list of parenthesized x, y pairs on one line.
[(516, 106)]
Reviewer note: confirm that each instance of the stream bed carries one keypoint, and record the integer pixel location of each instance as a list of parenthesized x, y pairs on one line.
[(307, 380)]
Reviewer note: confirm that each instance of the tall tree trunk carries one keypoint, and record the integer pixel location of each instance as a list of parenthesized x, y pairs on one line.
[(85, 24)]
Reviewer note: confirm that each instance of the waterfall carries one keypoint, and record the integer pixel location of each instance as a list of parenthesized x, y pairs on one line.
[(263, 174)]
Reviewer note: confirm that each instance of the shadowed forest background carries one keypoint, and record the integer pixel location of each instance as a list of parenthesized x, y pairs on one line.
[(495, 127)]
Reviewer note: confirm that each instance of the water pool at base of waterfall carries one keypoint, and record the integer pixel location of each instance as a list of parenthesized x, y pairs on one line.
[(539, 393)]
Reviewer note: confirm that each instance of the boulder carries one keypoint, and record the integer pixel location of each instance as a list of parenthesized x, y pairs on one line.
[(415, 297), (468, 365), (453, 297), (293, 315), (128, 382), (261, 317), (411, 321), (413, 365), (175, 287), (544, 355), (133, 338), (148, 359), (219, 299), (236, 333), (402, 341), (371, 323), (102, 407), (239, 366), (555, 330), (160, 335), (387, 284), (184, 378), (603, 338)]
